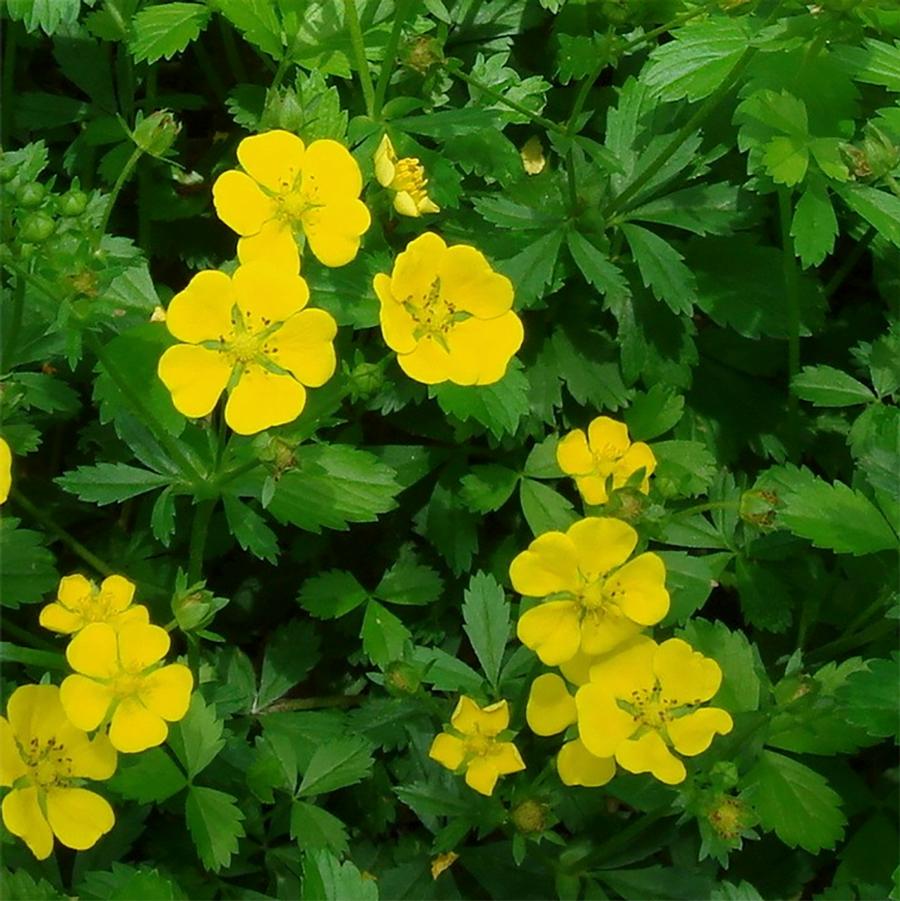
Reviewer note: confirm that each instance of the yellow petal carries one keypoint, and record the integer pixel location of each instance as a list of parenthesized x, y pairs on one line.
[(602, 724), (241, 204), (202, 311), (262, 399), (330, 174), (416, 269), (22, 816), (304, 346), (5, 471), (469, 283), (601, 544), (35, 711), (74, 592), (482, 775), (506, 758), (117, 592), (573, 454), (480, 349), (606, 630), (141, 645), (638, 456), (427, 205), (397, 326), (532, 153), (274, 159), (592, 488), (56, 618), (385, 159), (577, 766), (405, 204), (11, 764), (334, 230), (469, 718), (649, 754), (274, 244), (267, 294), (94, 651), (684, 674), (639, 588), (550, 708), (608, 438), (549, 565), (627, 668), (93, 759), (427, 363), (195, 377), (85, 701), (578, 669), (448, 750), (78, 817), (167, 691), (136, 614), (693, 734), (551, 630), (134, 728)]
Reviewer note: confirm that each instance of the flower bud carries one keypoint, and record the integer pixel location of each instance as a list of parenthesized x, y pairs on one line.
[(365, 380), (8, 171), (530, 817), (422, 53), (194, 610), (401, 679), (31, 195), (156, 134), (37, 227), (729, 817), (758, 508), (73, 203)]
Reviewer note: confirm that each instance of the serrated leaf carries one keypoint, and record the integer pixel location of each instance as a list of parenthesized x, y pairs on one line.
[(325, 878), (257, 21), (653, 413), (450, 527), (544, 508), (127, 882), (486, 613), (870, 697), (683, 467), (197, 739), (596, 266), (27, 568), (786, 158), (110, 483), (250, 530), (825, 386), (445, 672), (383, 635), (290, 655), (214, 822), (814, 226), (662, 268), (162, 31), (47, 15), (498, 407), (315, 829), (876, 62), (162, 516), (147, 778), (532, 268), (409, 582), (487, 487), (690, 581), (332, 594), (701, 209), (592, 382), (879, 208), (795, 802), (341, 762)]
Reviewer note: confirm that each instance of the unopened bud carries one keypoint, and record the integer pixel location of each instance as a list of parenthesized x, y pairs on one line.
[(530, 817), (758, 508), (401, 679), (156, 134), (422, 53), (194, 610)]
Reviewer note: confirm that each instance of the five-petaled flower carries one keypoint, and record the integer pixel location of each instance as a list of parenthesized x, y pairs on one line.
[(117, 677), (43, 757), (80, 602), (249, 333), (605, 452), (476, 747), (448, 314), (288, 191), (593, 602), (406, 177), (647, 703), (5, 471)]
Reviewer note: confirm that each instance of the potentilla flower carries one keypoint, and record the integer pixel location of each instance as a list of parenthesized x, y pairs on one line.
[(448, 314), (43, 757), (251, 334), (594, 600), (406, 177), (647, 703), (288, 192), (605, 452), (473, 745), (80, 602), (119, 678), (5, 471)]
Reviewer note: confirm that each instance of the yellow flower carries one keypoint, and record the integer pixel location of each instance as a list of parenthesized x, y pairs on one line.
[(594, 602), (448, 314), (250, 333), (406, 177), (5, 471), (606, 451), (475, 745), (646, 702), (41, 755), (80, 602), (287, 188), (532, 153), (118, 678)]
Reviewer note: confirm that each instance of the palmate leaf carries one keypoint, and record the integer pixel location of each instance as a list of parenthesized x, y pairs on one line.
[(662, 269), (162, 31), (337, 764), (215, 823), (325, 878), (486, 613)]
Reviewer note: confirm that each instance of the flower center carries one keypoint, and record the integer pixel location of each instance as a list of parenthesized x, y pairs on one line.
[(243, 348), (727, 817), (648, 707), (409, 176), (127, 684), (292, 205), (47, 763), (434, 315), (478, 745)]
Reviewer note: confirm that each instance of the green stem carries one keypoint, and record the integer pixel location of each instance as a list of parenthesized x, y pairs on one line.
[(892, 184), (124, 175), (791, 283), (12, 653), (15, 325), (115, 14), (200, 527), (313, 703), (233, 474), (401, 13), (709, 505), (849, 264), (359, 50)]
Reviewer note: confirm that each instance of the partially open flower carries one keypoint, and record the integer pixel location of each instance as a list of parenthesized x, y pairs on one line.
[(406, 177), (5, 471)]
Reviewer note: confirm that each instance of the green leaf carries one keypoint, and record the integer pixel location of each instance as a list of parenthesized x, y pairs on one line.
[(27, 568), (870, 697), (315, 829), (590, 381), (486, 613), (795, 802), (332, 594), (409, 582), (786, 158), (383, 635), (127, 882), (445, 672), (835, 517), (162, 517), (498, 407), (690, 581), (879, 208), (326, 879), (653, 413), (291, 653), (541, 461), (214, 822), (700, 209), (684, 468), (596, 266), (250, 530), (197, 739), (450, 527), (110, 483), (544, 509), (814, 226), (661, 268), (876, 62), (163, 31), (149, 777), (765, 598), (487, 487), (257, 21), (825, 386), (532, 269), (343, 761), (47, 15)]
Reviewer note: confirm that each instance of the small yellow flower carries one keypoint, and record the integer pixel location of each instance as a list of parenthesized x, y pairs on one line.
[(80, 602), (448, 314), (475, 745), (443, 862), (646, 702), (532, 153), (605, 451), (288, 190), (406, 177), (5, 471), (249, 333), (118, 677), (44, 757), (595, 601)]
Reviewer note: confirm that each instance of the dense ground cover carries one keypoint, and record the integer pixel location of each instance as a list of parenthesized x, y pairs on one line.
[(449, 449)]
